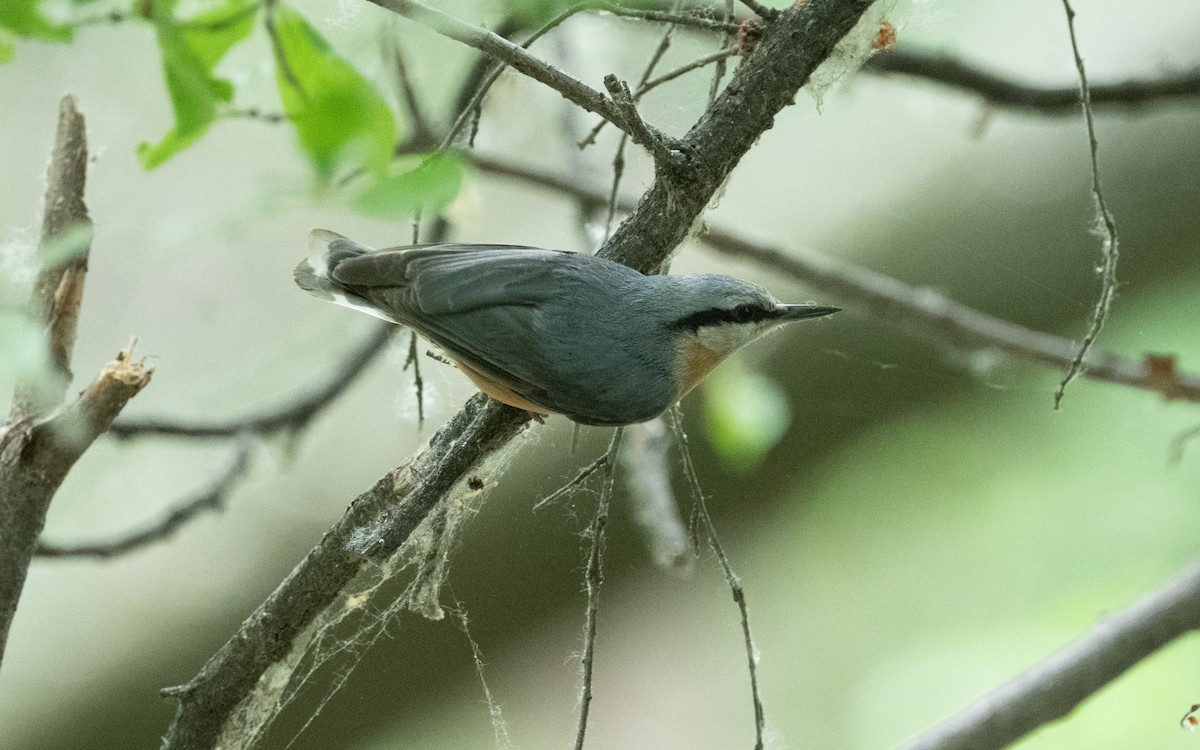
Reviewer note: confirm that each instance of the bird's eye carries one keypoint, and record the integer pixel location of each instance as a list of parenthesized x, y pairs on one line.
[(743, 313)]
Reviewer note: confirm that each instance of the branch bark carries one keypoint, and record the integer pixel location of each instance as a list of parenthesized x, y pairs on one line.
[(791, 48), (1000, 91), (1052, 689), (37, 450)]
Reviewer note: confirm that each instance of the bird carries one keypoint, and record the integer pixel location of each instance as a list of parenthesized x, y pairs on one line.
[(552, 331)]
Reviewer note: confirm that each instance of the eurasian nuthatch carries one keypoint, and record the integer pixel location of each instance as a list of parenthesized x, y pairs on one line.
[(549, 331)]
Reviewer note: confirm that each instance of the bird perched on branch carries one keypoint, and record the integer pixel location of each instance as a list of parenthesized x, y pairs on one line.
[(549, 331)]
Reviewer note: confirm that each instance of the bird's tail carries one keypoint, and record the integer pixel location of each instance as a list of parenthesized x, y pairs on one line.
[(315, 273)]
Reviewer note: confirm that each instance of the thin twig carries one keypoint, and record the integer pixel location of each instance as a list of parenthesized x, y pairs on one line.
[(285, 67), (762, 11), (1053, 688), (211, 497), (422, 136), (1000, 91), (418, 382), (713, 57), (472, 110), (502, 49), (579, 479), (294, 414), (700, 511), (594, 577), (719, 70), (1110, 248)]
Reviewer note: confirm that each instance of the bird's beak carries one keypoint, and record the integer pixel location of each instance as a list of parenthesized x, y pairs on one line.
[(789, 313)]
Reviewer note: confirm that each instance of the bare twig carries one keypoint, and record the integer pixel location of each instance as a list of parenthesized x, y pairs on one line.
[(762, 11), (383, 517), (1052, 689), (1000, 91), (211, 497), (593, 578), (294, 414), (713, 57), (511, 54), (422, 137), (943, 319), (418, 382), (719, 71), (1110, 249), (666, 155), (923, 310), (472, 109), (700, 512), (579, 479)]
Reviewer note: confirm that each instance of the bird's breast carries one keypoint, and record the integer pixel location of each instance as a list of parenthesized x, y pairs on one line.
[(694, 362)]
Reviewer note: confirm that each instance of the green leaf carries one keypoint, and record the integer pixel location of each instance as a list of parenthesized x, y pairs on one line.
[(24, 18), (7, 48), (415, 184), (534, 13), (746, 414), (190, 51), (341, 120)]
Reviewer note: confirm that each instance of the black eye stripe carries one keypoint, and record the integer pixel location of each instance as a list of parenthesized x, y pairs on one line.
[(717, 315)]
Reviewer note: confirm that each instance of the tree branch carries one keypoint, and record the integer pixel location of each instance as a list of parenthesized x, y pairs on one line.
[(37, 450), (943, 319), (294, 414), (62, 253), (925, 311), (1052, 689), (791, 48), (1000, 91), (513, 55), (210, 497), (35, 456)]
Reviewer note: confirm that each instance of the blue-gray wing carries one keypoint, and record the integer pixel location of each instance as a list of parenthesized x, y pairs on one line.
[(442, 279), (500, 309)]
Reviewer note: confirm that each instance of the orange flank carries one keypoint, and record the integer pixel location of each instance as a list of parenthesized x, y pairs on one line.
[(695, 362), (498, 390)]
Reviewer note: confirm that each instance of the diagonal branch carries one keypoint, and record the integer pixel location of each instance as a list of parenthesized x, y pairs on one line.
[(924, 311), (792, 46), (944, 319), (513, 55), (1052, 689), (1001, 91), (293, 414)]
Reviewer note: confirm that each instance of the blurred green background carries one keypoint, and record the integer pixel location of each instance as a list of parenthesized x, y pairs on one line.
[(925, 527)]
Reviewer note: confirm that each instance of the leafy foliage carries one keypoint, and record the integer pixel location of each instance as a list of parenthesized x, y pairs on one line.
[(190, 51), (24, 18), (414, 185), (341, 120)]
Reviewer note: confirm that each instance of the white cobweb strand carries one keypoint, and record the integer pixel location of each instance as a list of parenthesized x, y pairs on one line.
[(341, 634), (850, 53)]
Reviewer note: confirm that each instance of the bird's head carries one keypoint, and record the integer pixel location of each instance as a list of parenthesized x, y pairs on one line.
[(717, 315)]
